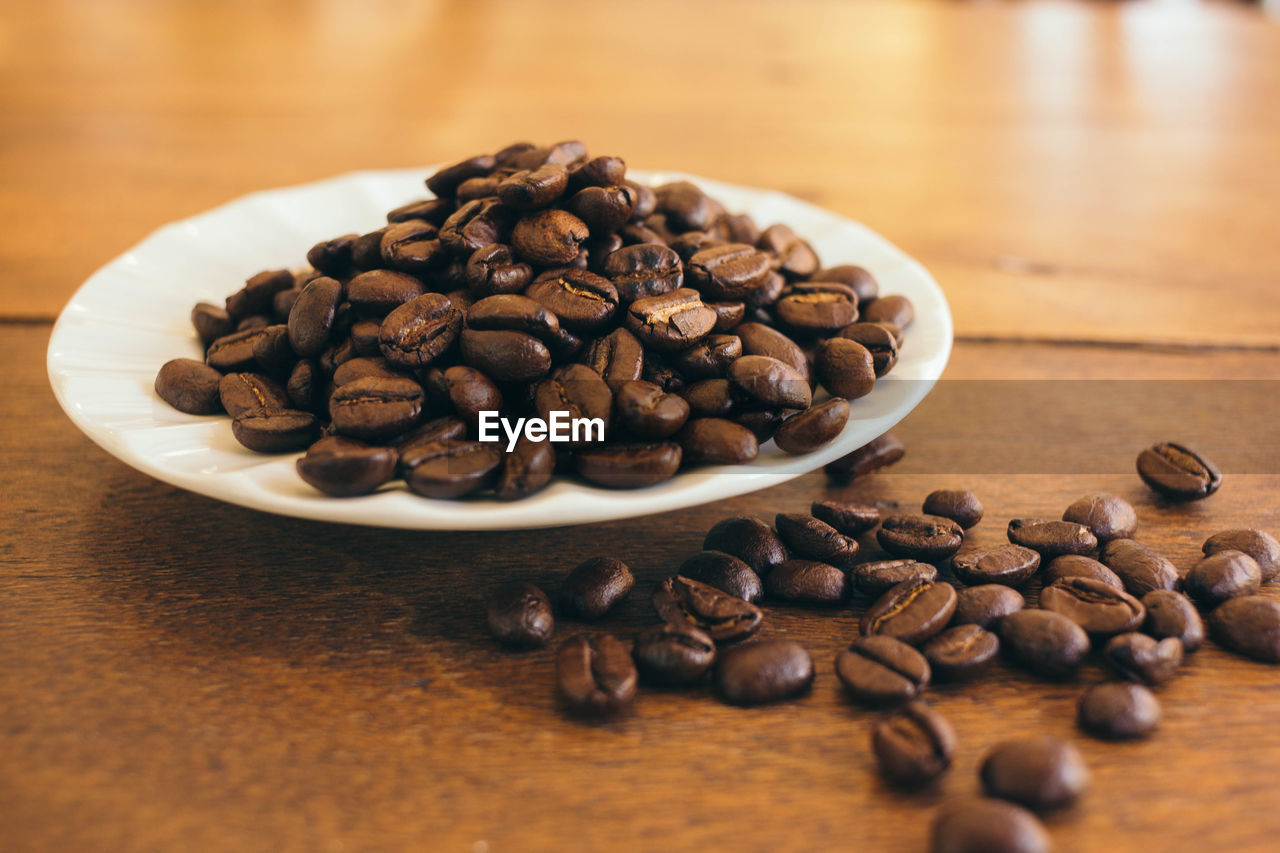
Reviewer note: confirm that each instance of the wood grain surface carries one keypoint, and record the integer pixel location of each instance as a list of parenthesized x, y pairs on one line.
[(1093, 185)]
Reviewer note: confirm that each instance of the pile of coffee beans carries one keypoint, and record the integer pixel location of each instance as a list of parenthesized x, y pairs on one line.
[(934, 608), (536, 280)]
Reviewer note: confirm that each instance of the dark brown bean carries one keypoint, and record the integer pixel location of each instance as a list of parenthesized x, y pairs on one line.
[(1141, 568), (771, 382), (722, 616), (1138, 657), (190, 386), (763, 671), (822, 308), (920, 537), (412, 246), (1052, 538), (1258, 544), (729, 271), (1107, 516), (648, 412), (347, 471), (877, 340), (1041, 773), (247, 392), (670, 321), (759, 339), (959, 505), (445, 181), (583, 301), (210, 321), (1077, 566), (275, 430), (726, 573), (519, 614), (375, 408), (672, 654), (912, 611), (595, 675), (1099, 608), (257, 294), (807, 582), (815, 539), (882, 671), (981, 825), (618, 357), (1177, 472), (851, 519), (961, 652), (450, 468), (1118, 711), (1171, 614), (493, 269), (709, 358), (1011, 565), (532, 188), (716, 441), (986, 605), (914, 746), (872, 456), (878, 577), (1223, 575), (748, 539), (893, 308), (1046, 643), (420, 330), (595, 587), (549, 237), (576, 389), (812, 428), (1249, 625), (857, 278), (628, 466), (525, 470)]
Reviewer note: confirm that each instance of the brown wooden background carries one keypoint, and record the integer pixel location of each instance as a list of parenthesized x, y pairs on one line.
[(1095, 186)]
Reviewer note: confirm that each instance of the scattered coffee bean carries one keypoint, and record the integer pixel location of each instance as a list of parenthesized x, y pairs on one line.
[(961, 652), (807, 582), (1044, 642), (920, 537), (722, 616), (1107, 516), (1141, 568), (672, 654), (748, 539), (1099, 608), (190, 386), (1077, 566), (980, 825), (851, 519), (815, 540), (985, 605), (1171, 614), (1118, 711), (1258, 544), (1177, 472), (520, 615), (1138, 657), (960, 506), (912, 611), (595, 587), (879, 576), (726, 573), (595, 674), (1052, 538), (763, 671), (1248, 625), (1011, 565), (1041, 773), (914, 745), (880, 670), (1222, 575)]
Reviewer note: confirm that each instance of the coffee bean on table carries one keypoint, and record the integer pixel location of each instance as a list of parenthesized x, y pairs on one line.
[(348, 471), (851, 519), (1177, 472), (985, 605), (525, 470), (1107, 516), (807, 582), (982, 825), (1258, 544), (920, 537), (770, 382), (628, 466), (1041, 773), (1099, 608), (1171, 614), (595, 675), (812, 428), (1044, 642), (914, 745), (1222, 575), (672, 654), (414, 334), (911, 612), (961, 652), (1118, 711), (275, 430), (1052, 538), (1138, 657), (814, 539), (375, 408), (882, 671), (722, 616), (879, 576), (450, 468), (1141, 568), (595, 587), (959, 505), (716, 441), (763, 671), (749, 539), (1011, 565), (1249, 625), (190, 386), (1077, 566), (725, 572), (519, 614)]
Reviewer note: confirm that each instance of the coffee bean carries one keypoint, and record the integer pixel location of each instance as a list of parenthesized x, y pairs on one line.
[(347, 470), (763, 671), (583, 301), (375, 408), (876, 340), (210, 322), (506, 356), (1041, 773), (979, 825), (532, 188), (872, 456), (796, 258), (725, 572), (305, 386), (851, 519), (912, 611), (748, 539), (724, 617), (729, 271), (190, 386), (1258, 544), (962, 507), (814, 539), (812, 428), (1118, 711), (1052, 538), (1011, 565), (711, 398), (882, 671), (648, 412), (618, 357), (364, 338), (257, 294), (311, 319), (474, 225), (421, 329), (670, 321), (234, 353), (603, 208), (275, 430), (595, 675), (822, 308), (364, 367), (412, 246), (519, 614), (549, 237), (628, 466), (986, 605), (1248, 625), (494, 269), (525, 470), (438, 429), (1077, 566), (961, 652), (247, 392), (526, 156), (433, 210), (759, 339), (920, 537), (914, 745), (716, 441), (893, 308), (450, 468), (597, 172), (770, 382), (1177, 472), (576, 389), (1045, 642), (595, 587), (673, 655), (1171, 614), (1139, 567), (445, 181), (710, 357), (878, 577), (1107, 516), (728, 315), (763, 423), (807, 582), (1099, 608), (1223, 575), (1138, 657)]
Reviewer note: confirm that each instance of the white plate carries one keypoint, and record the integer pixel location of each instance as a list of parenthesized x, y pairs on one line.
[(132, 316)]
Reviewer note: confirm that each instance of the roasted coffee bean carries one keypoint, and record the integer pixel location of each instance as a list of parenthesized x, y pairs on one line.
[(851, 519), (726, 573), (962, 507), (740, 228), (305, 386), (247, 392), (716, 441), (1107, 516), (1041, 773), (724, 617), (1045, 642), (628, 466), (814, 539), (505, 356), (618, 357), (335, 356), (1052, 538), (1248, 625), (1011, 565), (470, 393), (1177, 472), (648, 412), (709, 357), (595, 587), (333, 257), (420, 330), (646, 200), (366, 250), (858, 279), (687, 206), (1077, 566), (257, 294), (233, 353), (449, 468), (710, 398), (807, 582), (1099, 608), (549, 237), (893, 308), (210, 322), (597, 172), (477, 188), (980, 825), (1258, 544), (275, 430), (912, 611), (257, 321), (748, 539), (312, 316), (433, 210), (445, 181), (763, 423), (519, 614), (525, 156), (875, 339), (1223, 575), (525, 470), (190, 386), (603, 209), (763, 671), (1138, 657), (347, 470), (576, 389), (595, 675), (636, 233), (728, 315), (1171, 614), (643, 270), (513, 312), (583, 301), (796, 258), (673, 655), (920, 537), (882, 671), (1118, 711), (986, 605), (412, 246), (377, 293), (365, 337), (816, 308), (728, 272), (759, 339), (375, 408), (770, 382), (961, 652), (872, 456), (1139, 567), (362, 367), (438, 429), (493, 269), (671, 321), (914, 746), (533, 188), (878, 577), (812, 428)]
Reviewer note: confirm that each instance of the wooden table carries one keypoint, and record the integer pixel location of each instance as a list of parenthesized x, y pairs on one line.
[(1094, 186)]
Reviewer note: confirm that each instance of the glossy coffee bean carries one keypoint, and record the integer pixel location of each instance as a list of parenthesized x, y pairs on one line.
[(1052, 538), (670, 321), (1044, 642), (505, 356), (673, 655), (877, 340), (985, 605), (420, 330), (1138, 657), (597, 172), (920, 537), (1248, 625), (849, 517), (494, 269), (375, 408), (234, 353), (595, 587), (1141, 568), (1258, 544), (807, 582), (628, 466), (533, 188), (770, 382), (347, 471), (618, 357), (759, 339), (878, 577), (709, 358), (365, 366), (1118, 711), (1099, 608), (412, 246), (190, 386), (763, 671), (582, 301), (577, 390), (595, 675), (446, 180), (722, 616), (687, 206), (912, 611), (437, 429), (648, 412), (716, 441), (814, 539), (519, 614), (871, 457), (257, 294), (433, 210), (748, 539), (882, 671), (711, 398), (959, 505), (812, 428), (893, 308), (1077, 566), (1107, 516), (1177, 472), (474, 225), (603, 209), (823, 308), (728, 315), (961, 652), (312, 316), (1011, 565), (305, 386), (527, 469), (1223, 575), (725, 572), (549, 237), (914, 745), (1171, 614), (450, 468), (210, 322), (981, 825), (727, 272), (796, 258), (1041, 773)]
